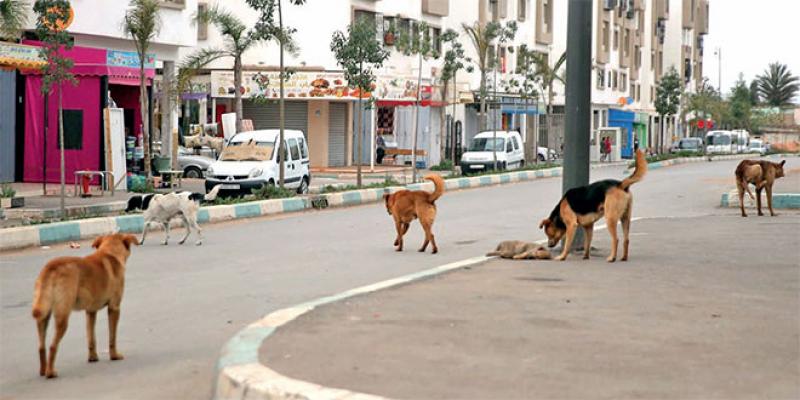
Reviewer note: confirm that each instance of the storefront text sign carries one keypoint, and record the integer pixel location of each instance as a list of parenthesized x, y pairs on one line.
[(129, 59), (20, 54)]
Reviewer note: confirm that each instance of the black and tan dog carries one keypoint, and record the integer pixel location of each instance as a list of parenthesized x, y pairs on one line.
[(583, 206), (760, 173)]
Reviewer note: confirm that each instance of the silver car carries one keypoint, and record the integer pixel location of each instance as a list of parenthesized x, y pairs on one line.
[(194, 165)]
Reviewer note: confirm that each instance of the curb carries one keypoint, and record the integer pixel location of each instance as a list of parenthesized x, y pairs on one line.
[(686, 160), (240, 374), (47, 234), (790, 201)]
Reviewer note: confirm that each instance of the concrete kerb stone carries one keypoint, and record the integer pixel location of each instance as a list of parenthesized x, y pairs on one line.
[(240, 374), (45, 234), (788, 201)]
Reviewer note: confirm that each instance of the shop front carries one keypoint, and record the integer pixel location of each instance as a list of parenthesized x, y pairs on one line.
[(625, 121), (14, 59), (104, 78)]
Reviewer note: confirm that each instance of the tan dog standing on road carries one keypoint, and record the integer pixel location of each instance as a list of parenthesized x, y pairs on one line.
[(760, 173), (89, 283), (519, 250), (406, 205)]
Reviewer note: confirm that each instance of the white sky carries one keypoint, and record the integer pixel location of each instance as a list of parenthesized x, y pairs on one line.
[(752, 34)]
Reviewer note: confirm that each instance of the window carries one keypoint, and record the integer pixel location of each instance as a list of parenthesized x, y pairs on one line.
[(601, 78), (610, 79), (294, 149), (522, 10), (516, 142), (548, 15), (503, 59), (436, 40), (73, 130), (616, 38), (374, 20), (614, 79), (509, 147), (623, 82), (303, 149), (202, 27), (605, 35)]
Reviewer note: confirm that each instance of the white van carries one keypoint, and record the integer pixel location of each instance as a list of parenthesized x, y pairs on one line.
[(241, 172), (480, 154), (719, 142)]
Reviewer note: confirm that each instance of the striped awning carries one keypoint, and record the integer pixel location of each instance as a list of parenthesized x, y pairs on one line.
[(20, 56)]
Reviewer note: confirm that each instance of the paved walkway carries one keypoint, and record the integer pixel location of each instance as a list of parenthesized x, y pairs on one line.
[(706, 308)]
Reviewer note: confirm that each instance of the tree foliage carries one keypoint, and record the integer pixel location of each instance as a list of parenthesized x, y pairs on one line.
[(668, 93), (740, 105), (777, 86), (455, 58), (13, 17), (359, 54)]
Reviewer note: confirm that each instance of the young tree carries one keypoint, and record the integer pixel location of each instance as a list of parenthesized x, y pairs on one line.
[(141, 23), (266, 30), (417, 43), (777, 86), (548, 78), (755, 98), (668, 98), (740, 104), (455, 60), (525, 85), (13, 17), (705, 103), (52, 14), (484, 39), (359, 53)]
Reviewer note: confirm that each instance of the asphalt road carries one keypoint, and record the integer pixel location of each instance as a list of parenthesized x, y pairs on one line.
[(182, 303)]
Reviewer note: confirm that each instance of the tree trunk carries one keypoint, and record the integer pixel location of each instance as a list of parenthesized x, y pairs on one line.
[(237, 95), (442, 118), (61, 148), (281, 110), (416, 125), (482, 111), (144, 108), (359, 122), (453, 125)]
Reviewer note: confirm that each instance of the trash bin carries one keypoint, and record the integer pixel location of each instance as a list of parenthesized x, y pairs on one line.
[(162, 163)]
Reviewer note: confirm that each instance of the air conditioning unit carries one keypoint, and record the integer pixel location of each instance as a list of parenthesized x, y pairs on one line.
[(609, 4)]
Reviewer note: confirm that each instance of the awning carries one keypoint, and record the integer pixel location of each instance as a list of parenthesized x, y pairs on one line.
[(20, 56)]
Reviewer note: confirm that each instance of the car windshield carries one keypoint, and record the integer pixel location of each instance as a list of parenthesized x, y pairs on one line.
[(755, 145), (720, 140), (248, 151), (688, 144), (487, 144)]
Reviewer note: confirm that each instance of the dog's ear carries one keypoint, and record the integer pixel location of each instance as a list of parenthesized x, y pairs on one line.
[(128, 240), (545, 222), (97, 242)]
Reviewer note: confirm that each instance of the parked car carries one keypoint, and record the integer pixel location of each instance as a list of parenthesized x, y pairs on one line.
[(480, 154), (241, 171), (193, 165), (693, 145), (757, 146)]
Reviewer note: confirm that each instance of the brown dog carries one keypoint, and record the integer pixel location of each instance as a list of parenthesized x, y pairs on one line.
[(406, 205), (89, 283), (760, 173), (583, 206), (519, 250)]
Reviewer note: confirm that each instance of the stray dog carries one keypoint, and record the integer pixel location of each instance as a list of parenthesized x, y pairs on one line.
[(406, 205), (89, 283), (583, 206), (162, 208), (519, 250), (760, 173)]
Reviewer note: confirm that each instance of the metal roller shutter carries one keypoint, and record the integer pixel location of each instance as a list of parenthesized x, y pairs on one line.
[(337, 128), (265, 116), (7, 125)]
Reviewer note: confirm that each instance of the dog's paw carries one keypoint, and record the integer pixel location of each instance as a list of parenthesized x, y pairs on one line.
[(165, 243), (395, 243), (585, 256), (199, 243), (117, 357), (560, 258), (611, 259), (93, 358), (624, 258), (51, 374), (435, 250)]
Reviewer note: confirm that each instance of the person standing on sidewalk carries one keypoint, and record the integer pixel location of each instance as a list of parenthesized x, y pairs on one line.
[(607, 147), (380, 150)]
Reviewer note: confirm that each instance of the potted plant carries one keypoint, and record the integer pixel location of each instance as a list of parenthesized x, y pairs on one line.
[(389, 35), (7, 199)]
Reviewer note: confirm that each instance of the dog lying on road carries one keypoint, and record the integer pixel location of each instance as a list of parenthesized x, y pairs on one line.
[(583, 206), (162, 208), (406, 205), (89, 283), (760, 173), (519, 250)]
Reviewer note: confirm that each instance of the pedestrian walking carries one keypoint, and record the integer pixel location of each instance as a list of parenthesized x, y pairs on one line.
[(380, 151), (607, 146)]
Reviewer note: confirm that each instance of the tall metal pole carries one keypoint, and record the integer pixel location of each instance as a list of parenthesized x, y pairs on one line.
[(719, 65), (578, 98), (496, 19)]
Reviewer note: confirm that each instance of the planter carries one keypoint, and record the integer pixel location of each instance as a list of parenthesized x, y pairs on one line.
[(388, 39), (12, 202)]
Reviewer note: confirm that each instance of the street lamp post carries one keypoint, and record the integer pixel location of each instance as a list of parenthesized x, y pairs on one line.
[(718, 53)]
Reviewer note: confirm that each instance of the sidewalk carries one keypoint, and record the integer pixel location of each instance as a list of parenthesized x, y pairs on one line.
[(706, 308)]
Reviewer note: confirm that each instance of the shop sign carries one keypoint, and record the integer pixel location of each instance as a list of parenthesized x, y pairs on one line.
[(14, 53), (128, 59)]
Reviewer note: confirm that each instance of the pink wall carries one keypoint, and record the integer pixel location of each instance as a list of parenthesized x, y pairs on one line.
[(85, 96)]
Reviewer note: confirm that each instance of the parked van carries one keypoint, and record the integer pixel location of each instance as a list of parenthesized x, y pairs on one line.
[(480, 154), (741, 140), (250, 161), (719, 142)]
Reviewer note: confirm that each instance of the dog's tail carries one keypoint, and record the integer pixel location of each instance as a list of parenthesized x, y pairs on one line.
[(438, 184), (42, 298), (212, 195), (638, 172)]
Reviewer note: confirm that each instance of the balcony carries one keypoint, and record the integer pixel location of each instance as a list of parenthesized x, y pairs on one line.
[(436, 7), (176, 4)]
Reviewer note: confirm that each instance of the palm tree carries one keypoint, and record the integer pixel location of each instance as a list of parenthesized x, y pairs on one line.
[(238, 41), (13, 17), (777, 86), (481, 37), (547, 78), (142, 24)]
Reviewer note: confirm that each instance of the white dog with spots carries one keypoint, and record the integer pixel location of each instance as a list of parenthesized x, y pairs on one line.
[(162, 208)]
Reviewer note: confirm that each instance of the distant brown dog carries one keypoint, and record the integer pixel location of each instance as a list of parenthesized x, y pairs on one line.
[(760, 173), (89, 283), (583, 206), (519, 250), (406, 205)]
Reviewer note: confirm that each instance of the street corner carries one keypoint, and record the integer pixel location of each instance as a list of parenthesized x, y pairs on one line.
[(664, 318)]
